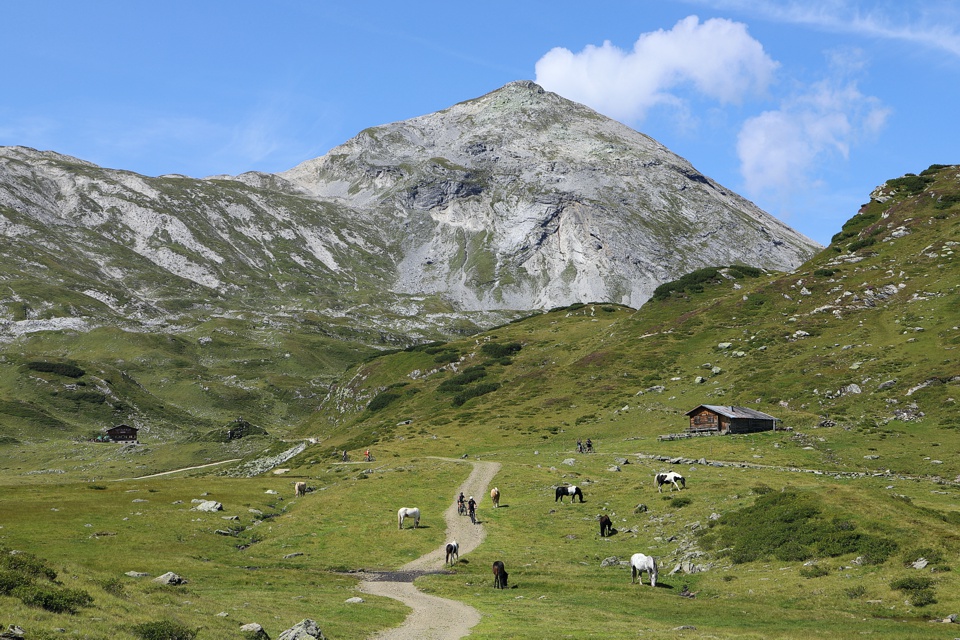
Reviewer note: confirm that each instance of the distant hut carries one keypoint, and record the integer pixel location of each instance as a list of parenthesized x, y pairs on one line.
[(709, 417), (123, 433)]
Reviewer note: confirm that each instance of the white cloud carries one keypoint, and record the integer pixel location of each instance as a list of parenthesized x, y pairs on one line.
[(932, 24), (718, 58), (780, 150)]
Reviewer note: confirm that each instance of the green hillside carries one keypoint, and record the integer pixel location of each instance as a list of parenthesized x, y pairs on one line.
[(813, 530)]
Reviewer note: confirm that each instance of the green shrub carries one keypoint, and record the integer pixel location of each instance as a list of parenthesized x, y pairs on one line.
[(27, 564), (911, 184), (498, 350), (931, 555), (382, 400), (59, 368), (861, 243), (824, 273), (54, 599), (10, 580), (677, 503), (457, 382), (474, 392), (163, 630), (761, 489), (446, 357), (789, 525), (934, 168), (912, 583), (947, 201)]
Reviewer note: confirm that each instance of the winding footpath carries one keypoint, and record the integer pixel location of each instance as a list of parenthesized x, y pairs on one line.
[(435, 618)]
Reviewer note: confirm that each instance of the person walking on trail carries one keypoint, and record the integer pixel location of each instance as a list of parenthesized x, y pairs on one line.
[(579, 445), (472, 509), (589, 445), (366, 455)]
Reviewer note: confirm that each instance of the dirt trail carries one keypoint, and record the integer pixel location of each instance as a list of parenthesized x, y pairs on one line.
[(435, 618)]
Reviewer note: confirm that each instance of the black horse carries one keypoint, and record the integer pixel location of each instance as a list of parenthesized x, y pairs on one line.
[(573, 491), (499, 575)]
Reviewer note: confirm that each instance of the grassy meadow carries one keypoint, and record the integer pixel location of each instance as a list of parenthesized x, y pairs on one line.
[(808, 531)]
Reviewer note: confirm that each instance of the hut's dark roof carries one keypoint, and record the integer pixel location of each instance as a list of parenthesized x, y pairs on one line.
[(734, 412)]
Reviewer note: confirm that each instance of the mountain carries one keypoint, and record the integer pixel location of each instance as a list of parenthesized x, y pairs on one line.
[(515, 201), (521, 199)]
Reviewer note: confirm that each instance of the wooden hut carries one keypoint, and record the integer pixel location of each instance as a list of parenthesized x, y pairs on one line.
[(123, 433), (709, 417)]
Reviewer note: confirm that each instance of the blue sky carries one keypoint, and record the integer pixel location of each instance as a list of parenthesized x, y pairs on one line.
[(801, 106)]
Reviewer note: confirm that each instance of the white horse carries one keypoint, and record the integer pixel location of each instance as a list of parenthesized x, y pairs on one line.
[(300, 489), (640, 563), (670, 477), (453, 552), (408, 512)]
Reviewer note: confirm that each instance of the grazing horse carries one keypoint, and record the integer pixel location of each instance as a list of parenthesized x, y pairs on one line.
[(300, 489), (573, 491), (499, 575), (670, 477), (408, 512), (640, 563), (495, 496), (453, 552), (606, 527)]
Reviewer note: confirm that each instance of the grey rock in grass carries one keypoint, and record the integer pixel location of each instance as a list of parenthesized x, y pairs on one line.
[(303, 630), (612, 561), (354, 600), (209, 506), (14, 631), (170, 578), (569, 461), (254, 631), (137, 574)]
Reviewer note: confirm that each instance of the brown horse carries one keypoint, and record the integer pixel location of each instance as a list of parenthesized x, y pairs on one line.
[(499, 575), (606, 526), (495, 496)]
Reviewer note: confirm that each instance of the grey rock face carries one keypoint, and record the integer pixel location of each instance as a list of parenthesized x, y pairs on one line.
[(552, 203)]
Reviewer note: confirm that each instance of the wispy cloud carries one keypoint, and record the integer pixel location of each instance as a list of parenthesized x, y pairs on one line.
[(718, 58), (780, 149), (932, 24)]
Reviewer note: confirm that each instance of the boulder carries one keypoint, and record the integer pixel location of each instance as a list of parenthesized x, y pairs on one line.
[(170, 578), (254, 631), (208, 505), (303, 630)]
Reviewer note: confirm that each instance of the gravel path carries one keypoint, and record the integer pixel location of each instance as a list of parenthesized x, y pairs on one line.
[(435, 618)]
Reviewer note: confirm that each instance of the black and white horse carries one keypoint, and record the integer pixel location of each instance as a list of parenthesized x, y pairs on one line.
[(499, 575), (453, 552), (408, 512), (640, 563), (670, 477), (606, 526), (573, 491)]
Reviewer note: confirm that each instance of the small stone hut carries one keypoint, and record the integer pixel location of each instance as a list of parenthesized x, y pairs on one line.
[(123, 433), (709, 417)]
